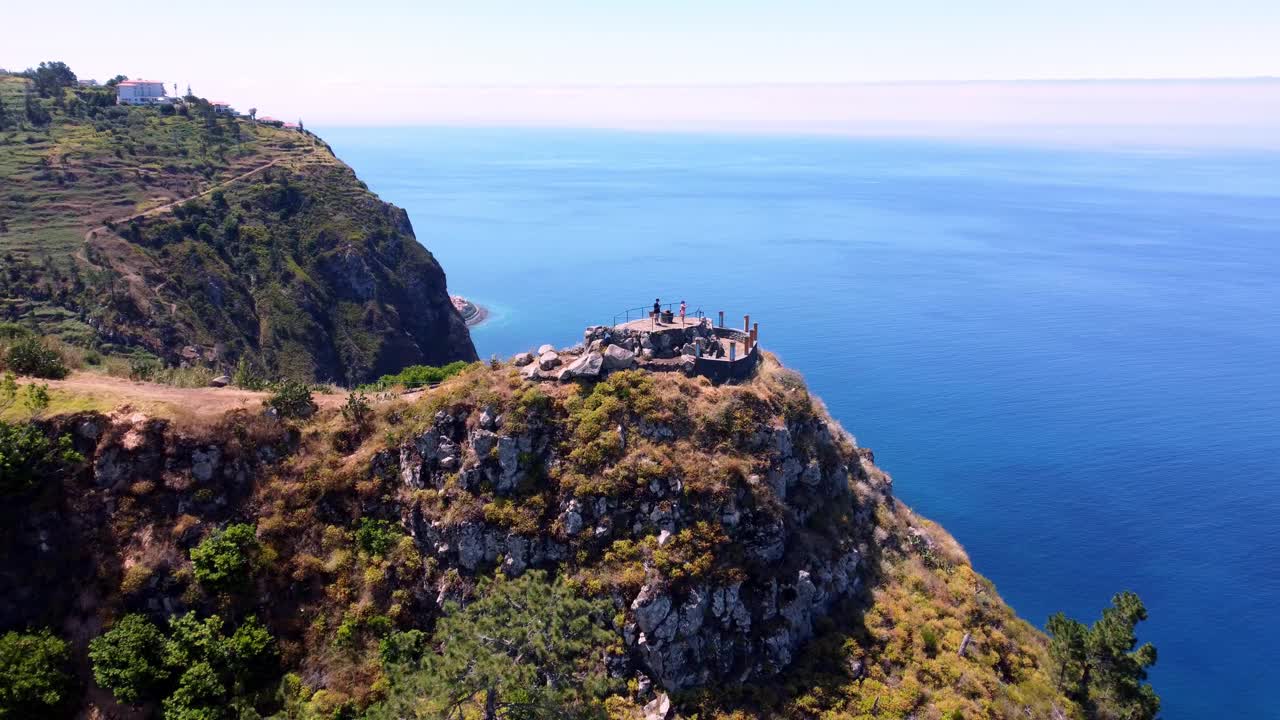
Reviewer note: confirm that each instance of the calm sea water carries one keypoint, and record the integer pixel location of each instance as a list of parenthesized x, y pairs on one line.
[(1071, 359)]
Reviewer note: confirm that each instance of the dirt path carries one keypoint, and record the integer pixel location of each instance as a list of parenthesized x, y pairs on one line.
[(93, 391), (174, 203)]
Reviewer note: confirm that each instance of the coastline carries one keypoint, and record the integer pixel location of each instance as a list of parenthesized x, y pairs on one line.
[(472, 314)]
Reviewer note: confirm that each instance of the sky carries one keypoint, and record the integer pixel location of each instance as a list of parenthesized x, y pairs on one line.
[(823, 66)]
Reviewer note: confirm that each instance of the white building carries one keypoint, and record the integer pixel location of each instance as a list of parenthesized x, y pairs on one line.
[(141, 92), (222, 107)]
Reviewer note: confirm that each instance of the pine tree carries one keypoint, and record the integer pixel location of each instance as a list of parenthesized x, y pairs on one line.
[(1099, 667), (528, 648)]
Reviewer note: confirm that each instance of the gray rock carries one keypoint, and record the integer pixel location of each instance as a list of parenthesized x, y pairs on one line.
[(545, 348), (588, 366), (617, 357), (220, 381), (509, 460), (205, 462), (522, 359), (470, 547), (548, 359), (651, 607)]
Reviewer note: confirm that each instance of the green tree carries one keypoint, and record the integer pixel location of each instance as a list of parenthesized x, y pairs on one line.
[(527, 648), (28, 455), (1101, 666), (223, 561), (50, 77), (129, 659), (33, 676), (197, 670), (36, 113)]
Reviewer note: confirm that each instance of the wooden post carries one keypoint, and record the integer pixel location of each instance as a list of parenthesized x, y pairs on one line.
[(721, 318), (755, 333), (746, 323)]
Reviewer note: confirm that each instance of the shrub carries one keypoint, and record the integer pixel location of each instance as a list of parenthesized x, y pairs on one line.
[(27, 455), (357, 411), (33, 677), (223, 561), (402, 648), (247, 377), (30, 356), (293, 400), (199, 671), (129, 659), (377, 537), (419, 375)]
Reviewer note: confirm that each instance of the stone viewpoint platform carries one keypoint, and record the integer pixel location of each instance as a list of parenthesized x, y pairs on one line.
[(695, 346)]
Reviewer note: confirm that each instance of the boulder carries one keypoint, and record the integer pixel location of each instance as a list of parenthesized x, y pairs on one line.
[(659, 708), (548, 359), (617, 357), (545, 348), (220, 381), (588, 366), (522, 359)]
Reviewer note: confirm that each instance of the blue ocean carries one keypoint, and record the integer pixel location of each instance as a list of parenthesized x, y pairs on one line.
[(1070, 358)]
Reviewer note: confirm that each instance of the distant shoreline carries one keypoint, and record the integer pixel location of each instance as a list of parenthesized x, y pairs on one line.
[(472, 314)]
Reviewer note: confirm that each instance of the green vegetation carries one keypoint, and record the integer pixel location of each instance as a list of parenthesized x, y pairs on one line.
[(527, 648), (30, 356), (276, 252), (196, 670), (416, 376), (292, 399), (224, 561), (27, 454), (1098, 665), (129, 659), (33, 675), (378, 537)]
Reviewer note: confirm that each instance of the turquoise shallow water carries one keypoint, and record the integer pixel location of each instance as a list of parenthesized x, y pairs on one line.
[(1069, 358)]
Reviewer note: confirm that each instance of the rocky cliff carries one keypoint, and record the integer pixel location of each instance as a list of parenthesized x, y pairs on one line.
[(203, 238), (755, 556)]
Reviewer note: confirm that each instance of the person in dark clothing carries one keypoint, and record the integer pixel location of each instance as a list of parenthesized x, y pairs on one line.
[(657, 307)]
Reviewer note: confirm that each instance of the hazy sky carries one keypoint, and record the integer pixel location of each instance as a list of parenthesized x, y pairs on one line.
[(797, 65)]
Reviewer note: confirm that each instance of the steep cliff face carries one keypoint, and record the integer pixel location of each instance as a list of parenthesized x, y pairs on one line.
[(300, 270), (754, 554), (203, 238)]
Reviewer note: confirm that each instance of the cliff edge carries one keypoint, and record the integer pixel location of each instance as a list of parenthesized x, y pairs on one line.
[(754, 557)]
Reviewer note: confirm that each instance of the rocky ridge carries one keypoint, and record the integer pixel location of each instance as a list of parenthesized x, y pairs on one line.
[(731, 527)]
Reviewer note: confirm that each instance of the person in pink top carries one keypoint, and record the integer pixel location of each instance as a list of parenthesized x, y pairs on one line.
[(683, 307)]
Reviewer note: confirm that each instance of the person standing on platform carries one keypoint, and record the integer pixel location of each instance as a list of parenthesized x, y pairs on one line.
[(683, 307)]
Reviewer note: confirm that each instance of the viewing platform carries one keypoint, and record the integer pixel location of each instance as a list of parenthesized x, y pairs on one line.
[(658, 342)]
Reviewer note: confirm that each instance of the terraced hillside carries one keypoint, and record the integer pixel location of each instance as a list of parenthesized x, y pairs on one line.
[(197, 237)]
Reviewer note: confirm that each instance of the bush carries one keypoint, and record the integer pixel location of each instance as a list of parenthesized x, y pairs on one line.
[(28, 455), (293, 400), (196, 669), (129, 659), (357, 411), (30, 356), (419, 375), (33, 676), (223, 561), (377, 537)]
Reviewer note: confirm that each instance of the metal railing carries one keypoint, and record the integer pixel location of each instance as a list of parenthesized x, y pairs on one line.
[(644, 311)]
